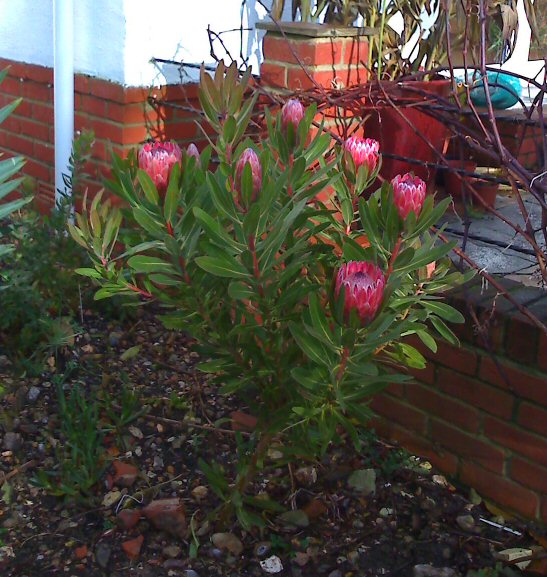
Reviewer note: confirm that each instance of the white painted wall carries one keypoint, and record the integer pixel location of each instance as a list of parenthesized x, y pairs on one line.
[(26, 35), (116, 39)]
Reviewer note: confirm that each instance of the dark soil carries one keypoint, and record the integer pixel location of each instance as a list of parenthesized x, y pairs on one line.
[(415, 516)]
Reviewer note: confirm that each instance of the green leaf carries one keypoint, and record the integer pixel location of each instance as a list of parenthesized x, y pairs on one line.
[(425, 255), (444, 311), (149, 224), (89, 272), (427, 340), (312, 348), (225, 266), (130, 353), (148, 186), (241, 291), (444, 331), (215, 231), (147, 264), (9, 207), (172, 196)]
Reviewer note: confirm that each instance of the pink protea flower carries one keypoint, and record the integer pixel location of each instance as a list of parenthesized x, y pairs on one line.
[(363, 284), (408, 194), (292, 113), (192, 150), (363, 152), (158, 159), (250, 157)]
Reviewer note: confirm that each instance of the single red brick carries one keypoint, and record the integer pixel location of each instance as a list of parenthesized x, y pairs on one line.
[(468, 446), (426, 375), (94, 106), (396, 390), (24, 109), (356, 51), (180, 130), (520, 442), (512, 377), (21, 145), (42, 112), (135, 135), (274, 75), (35, 91), (106, 90), (490, 399), (500, 490), (106, 129), (138, 94), (34, 129), (521, 341), (38, 170), (400, 412), (461, 359), (11, 124), (444, 407), (533, 418), (12, 86), (44, 152), (529, 474)]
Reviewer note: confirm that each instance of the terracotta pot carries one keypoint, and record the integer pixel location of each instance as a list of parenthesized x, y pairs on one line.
[(488, 192), (454, 181), (396, 136)]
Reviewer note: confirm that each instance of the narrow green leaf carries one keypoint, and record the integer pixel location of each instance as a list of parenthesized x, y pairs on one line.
[(225, 266), (148, 186), (147, 264)]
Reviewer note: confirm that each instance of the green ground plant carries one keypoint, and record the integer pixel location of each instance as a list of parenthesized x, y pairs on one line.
[(86, 416), (40, 297), (301, 305)]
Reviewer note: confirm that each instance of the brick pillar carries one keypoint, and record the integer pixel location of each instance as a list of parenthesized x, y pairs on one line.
[(296, 55)]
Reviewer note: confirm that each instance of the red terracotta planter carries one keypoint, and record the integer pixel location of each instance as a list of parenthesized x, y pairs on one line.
[(397, 137), (454, 181)]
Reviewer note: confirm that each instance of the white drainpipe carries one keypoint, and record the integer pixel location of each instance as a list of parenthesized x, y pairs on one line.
[(63, 93)]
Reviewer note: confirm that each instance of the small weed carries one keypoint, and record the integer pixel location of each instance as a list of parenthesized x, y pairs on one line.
[(387, 460), (81, 458)]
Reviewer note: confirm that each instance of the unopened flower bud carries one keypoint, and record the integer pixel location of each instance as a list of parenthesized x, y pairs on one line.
[(249, 157), (158, 159), (292, 113), (408, 194), (192, 150), (363, 284)]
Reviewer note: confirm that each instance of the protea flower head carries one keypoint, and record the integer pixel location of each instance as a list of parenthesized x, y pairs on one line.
[(408, 194), (292, 113), (249, 157), (192, 150), (363, 152), (363, 284), (158, 159)]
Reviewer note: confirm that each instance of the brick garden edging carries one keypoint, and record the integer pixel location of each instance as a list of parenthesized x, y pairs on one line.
[(479, 412)]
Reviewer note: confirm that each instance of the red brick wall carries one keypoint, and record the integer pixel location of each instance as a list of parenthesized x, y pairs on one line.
[(479, 412), (120, 117), (299, 62)]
